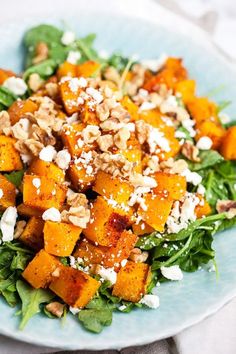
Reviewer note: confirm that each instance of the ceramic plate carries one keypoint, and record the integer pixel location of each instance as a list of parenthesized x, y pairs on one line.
[(199, 294)]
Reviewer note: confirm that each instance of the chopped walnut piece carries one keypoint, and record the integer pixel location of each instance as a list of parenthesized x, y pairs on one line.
[(116, 165), (34, 146), (178, 166), (41, 52), (78, 216), (5, 123), (55, 308), (52, 89), (21, 129), (225, 205), (20, 226), (190, 151), (112, 74), (120, 113), (105, 142), (121, 138), (138, 256), (110, 124), (35, 82), (90, 134), (77, 199)]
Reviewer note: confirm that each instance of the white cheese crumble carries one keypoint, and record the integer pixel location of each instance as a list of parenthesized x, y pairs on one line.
[(95, 94), (122, 307), (172, 273), (63, 159), (145, 106), (7, 223), (201, 189), (107, 274), (16, 85), (36, 182), (204, 143), (155, 64), (73, 56), (68, 37), (47, 153), (74, 310), (1, 193), (151, 301), (192, 177), (52, 214)]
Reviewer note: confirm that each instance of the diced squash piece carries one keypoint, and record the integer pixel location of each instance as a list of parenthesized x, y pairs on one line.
[(9, 156), (213, 130), (132, 281), (39, 272), (228, 146), (142, 228), (32, 235), (202, 209), (187, 90), (107, 256), (133, 155), (69, 96), (112, 188), (74, 287), (20, 108), (131, 107), (79, 177), (158, 210), (174, 185), (28, 211), (60, 238), (47, 169), (67, 69), (5, 74), (88, 116), (173, 144), (106, 223), (152, 117), (201, 109), (71, 136), (88, 68), (49, 194), (7, 193)]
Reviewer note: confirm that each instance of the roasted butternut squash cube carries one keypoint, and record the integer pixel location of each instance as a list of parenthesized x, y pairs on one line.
[(88, 116), (174, 186), (132, 281), (88, 68), (5, 74), (201, 110), (213, 130), (9, 156), (107, 256), (202, 209), (152, 117), (142, 228), (169, 134), (106, 223), (187, 90), (228, 146), (60, 238), (131, 107), (67, 69), (28, 211), (39, 272), (20, 108), (7, 193), (112, 188), (74, 287), (32, 235), (69, 93), (48, 169), (80, 177), (133, 155), (46, 195), (158, 210)]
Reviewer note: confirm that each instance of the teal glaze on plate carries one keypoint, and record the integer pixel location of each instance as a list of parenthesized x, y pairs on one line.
[(199, 294)]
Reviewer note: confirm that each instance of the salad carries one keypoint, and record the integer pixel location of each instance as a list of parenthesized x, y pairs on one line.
[(115, 177)]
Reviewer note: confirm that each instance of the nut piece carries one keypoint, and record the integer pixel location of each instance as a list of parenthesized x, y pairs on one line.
[(190, 151), (35, 82), (225, 205), (5, 123), (20, 225), (55, 308), (41, 52), (138, 256), (120, 138), (105, 142), (90, 134)]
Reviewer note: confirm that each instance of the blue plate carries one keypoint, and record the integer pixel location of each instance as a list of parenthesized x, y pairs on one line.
[(199, 294)]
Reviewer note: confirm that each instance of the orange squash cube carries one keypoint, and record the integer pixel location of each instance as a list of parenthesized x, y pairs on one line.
[(9, 156), (106, 223), (88, 68), (213, 130), (152, 117), (187, 90), (132, 281), (74, 287), (67, 69), (20, 108), (228, 146), (32, 235), (142, 228), (201, 109), (174, 185), (48, 169), (158, 210), (131, 107), (79, 177), (88, 116), (5, 74), (49, 194), (39, 272), (69, 96), (202, 209), (7, 193), (28, 211), (60, 238), (112, 188)]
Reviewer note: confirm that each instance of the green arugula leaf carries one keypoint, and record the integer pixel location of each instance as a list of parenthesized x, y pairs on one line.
[(44, 69), (85, 46), (6, 97), (31, 300), (15, 177), (118, 61), (208, 158), (94, 320)]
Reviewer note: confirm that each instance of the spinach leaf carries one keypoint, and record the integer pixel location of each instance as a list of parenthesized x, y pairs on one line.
[(208, 158), (118, 61), (31, 300), (85, 45), (44, 69), (15, 177), (42, 33), (6, 97), (147, 242)]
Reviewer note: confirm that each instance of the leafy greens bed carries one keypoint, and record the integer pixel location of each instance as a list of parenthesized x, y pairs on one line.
[(188, 249)]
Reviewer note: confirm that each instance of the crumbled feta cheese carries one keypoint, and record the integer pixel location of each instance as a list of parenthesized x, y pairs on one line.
[(155, 64), (151, 301), (107, 274), (52, 214), (192, 177), (7, 223), (157, 138), (180, 135), (47, 153), (74, 310), (204, 143), (63, 159), (201, 189), (122, 307), (137, 180), (147, 106), (172, 273), (123, 262), (1, 193), (95, 94), (188, 125), (16, 85), (68, 38), (73, 57), (36, 182)]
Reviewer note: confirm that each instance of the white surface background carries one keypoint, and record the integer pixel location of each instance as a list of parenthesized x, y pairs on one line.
[(217, 18)]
